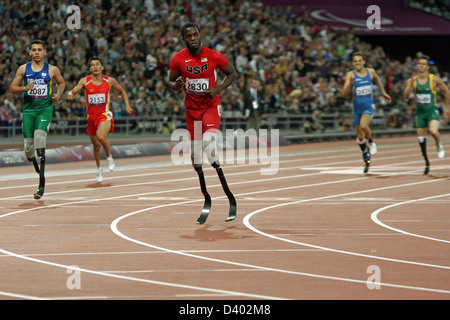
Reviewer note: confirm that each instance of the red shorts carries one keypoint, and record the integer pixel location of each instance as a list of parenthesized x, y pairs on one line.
[(94, 120), (201, 120)]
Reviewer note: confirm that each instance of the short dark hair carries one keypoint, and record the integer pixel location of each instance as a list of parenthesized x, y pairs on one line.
[(188, 25), (357, 53), (37, 41), (425, 58), (92, 59)]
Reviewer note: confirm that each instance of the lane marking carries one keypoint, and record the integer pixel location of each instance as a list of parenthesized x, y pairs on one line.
[(374, 217), (20, 296), (159, 252), (247, 223), (196, 288), (116, 276)]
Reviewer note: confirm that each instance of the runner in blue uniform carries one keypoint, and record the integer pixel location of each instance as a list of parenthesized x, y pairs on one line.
[(359, 82)]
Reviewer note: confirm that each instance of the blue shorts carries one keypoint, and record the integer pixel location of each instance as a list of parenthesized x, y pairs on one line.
[(358, 112)]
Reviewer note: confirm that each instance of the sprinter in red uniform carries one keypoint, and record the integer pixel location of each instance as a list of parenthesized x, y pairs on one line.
[(194, 70), (100, 117)]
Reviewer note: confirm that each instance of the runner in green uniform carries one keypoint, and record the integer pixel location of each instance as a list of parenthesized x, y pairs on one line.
[(34, 80), (423, 86)]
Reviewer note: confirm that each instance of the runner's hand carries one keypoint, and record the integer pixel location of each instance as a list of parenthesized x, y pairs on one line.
[(55, 97), (179, 82), (29, 86)]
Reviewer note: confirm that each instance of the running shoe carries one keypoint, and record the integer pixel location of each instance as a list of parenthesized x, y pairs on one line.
[(100, 174), (440, 151), (372, 148), (111, 164)]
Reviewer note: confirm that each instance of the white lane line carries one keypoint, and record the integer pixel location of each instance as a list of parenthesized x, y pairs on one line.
[(247, 223), (137, 279), (20, 296), (157, 252), (265, 180), (70, 173), (115, 229), (374, 217), (134, 297), (117, 276)]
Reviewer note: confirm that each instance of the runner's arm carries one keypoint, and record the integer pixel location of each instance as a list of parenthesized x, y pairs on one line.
[(439, 83), (231, 76), (409, 87), (59, 81), (114, 84), (16, 84), (72, 93), (175, 81), (349, 79), (377, 80)]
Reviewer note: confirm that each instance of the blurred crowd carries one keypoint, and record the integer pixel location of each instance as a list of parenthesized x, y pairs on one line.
[(301, 66)]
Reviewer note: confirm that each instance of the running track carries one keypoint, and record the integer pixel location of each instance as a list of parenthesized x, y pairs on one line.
[(317, 229)]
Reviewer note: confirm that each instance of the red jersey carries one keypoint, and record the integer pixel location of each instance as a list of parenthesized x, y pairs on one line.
[(97, 97), (199, 74)]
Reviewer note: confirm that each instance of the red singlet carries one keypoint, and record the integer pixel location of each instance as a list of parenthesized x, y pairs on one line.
[(98, 106), (199, 74)]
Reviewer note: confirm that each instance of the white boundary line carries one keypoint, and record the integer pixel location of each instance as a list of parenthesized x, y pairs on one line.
[(114, 224), (374, 217), (115, 229), (112, 275), (247, 223)]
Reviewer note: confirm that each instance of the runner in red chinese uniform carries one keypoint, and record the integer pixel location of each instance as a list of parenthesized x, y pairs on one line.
[(100, 118), (194, 70)]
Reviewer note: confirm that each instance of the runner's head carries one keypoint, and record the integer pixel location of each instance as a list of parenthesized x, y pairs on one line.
[(190, 35), (95, 65), (423, 64), (358, 61), (37, 50)]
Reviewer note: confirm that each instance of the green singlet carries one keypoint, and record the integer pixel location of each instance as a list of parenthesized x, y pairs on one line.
[(426, 102), (37, 102)]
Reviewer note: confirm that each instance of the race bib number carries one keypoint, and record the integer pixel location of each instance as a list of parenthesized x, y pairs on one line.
[(97, 99), (424, 98), (363, 91), (39, 91), (197, 86)]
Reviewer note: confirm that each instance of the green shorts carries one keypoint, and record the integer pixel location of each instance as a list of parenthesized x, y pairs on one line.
[(36, 121), (423, 119)]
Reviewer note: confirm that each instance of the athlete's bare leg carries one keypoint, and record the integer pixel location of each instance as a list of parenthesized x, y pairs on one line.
[(434, 131), (102, 136), (363, 130)]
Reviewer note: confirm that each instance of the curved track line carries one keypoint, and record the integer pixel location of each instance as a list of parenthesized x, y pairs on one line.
[(120, 234), (115, 229), (199, 288), (374, 217), (112, 275), (248, 225)]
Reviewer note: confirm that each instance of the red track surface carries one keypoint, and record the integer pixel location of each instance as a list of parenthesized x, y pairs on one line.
[(316, 229)]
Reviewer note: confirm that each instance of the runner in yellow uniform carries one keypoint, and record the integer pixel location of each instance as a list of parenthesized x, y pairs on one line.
[(427, 114)]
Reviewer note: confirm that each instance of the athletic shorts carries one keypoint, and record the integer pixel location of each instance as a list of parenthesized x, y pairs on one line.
[(201, 120), (423, 119), (36, 121), (359, 111), (94, 120)]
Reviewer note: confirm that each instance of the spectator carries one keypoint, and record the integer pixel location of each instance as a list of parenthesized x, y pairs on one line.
[(288, 56)]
